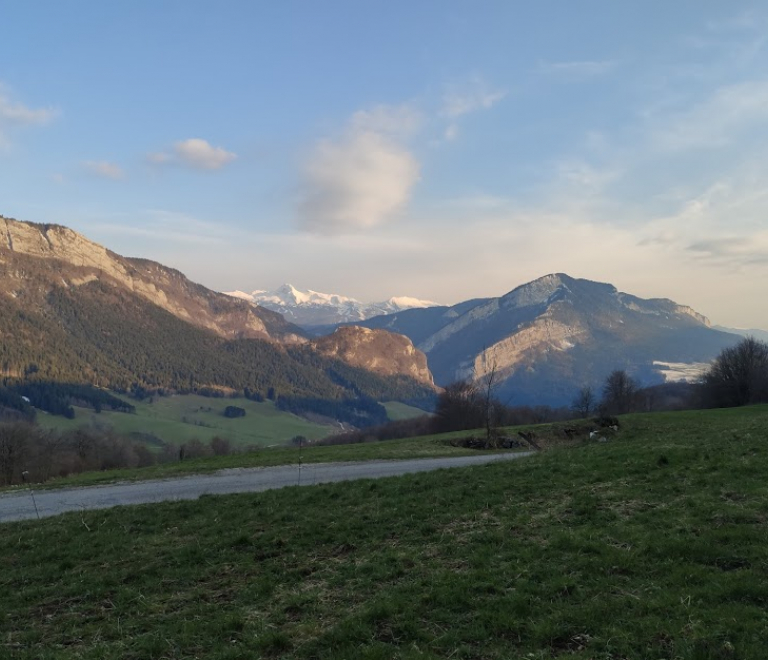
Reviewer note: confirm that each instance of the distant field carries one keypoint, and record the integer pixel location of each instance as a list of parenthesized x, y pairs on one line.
[(650, 546), (181, 418), (397, 411)]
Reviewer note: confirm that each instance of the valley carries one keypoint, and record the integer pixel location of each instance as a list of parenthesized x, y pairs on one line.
[(185, 417), (181, 418)]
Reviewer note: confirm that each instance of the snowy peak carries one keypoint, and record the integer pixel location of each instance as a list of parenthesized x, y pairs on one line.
[(404, 302), (310, 308), (288, 295)]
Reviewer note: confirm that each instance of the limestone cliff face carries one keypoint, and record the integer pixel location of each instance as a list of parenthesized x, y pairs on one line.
[(62, 257), (684, 310), (378, 351), (516, 351)]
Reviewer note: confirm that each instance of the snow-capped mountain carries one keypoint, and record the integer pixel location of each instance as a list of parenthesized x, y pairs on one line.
[(311, 309)]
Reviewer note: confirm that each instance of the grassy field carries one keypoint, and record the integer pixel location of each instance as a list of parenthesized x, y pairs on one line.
[(397, 411), (181, 418), (651, 545)]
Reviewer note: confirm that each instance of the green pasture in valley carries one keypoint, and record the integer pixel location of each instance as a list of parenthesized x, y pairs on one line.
[(397, 411), (181, 418)]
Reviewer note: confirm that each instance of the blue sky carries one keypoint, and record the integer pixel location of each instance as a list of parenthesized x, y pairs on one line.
[(444, 150)]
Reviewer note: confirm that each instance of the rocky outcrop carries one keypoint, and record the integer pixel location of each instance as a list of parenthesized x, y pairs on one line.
[(543, 336), (73, 260), (378, 351)]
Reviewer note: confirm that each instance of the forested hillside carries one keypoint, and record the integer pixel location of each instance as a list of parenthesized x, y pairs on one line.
[(98, 334)]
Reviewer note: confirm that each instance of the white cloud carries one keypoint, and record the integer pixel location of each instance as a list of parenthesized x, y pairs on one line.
[(401, 120), (159, 158), (199, 153), (475, 94), (14, 114), (578, 69), (105, 169), (363, 178), (196, 153)]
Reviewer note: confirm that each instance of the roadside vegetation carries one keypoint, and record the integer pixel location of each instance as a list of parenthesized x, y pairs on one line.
[(650, 545), (421, 447)]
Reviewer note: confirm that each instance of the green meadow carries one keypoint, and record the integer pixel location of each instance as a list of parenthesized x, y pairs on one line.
[(397, 411), (181, 418), (650, 546)]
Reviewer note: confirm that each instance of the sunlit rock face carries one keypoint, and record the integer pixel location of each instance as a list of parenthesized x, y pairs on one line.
[(36, 257), (379, 351)]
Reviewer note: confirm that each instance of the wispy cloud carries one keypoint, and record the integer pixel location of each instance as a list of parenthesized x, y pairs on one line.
[(396, 120), (362, 178), (169, 226), (194, 152), (584, 175), (463, 98), (15, 114), (717, 120), (733, 251), (578, 69), (104, 169)]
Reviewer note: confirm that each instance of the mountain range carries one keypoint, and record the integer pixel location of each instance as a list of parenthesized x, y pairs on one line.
[(545, 339), (73, 311), (316, 311)]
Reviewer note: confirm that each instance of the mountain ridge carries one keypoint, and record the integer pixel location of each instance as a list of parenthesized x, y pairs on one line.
[(311, 309), (165, 287), (546, 338), (75, 311)]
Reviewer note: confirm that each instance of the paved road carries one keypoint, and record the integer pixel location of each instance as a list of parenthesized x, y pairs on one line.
[(18, 505)]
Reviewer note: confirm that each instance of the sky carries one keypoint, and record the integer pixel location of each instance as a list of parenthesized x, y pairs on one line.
[(439, 149)]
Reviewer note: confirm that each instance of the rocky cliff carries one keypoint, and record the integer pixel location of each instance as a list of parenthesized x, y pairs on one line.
[(378, 351), (62, 257)]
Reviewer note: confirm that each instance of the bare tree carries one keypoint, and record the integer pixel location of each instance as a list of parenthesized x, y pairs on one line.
[(14, 446), (619, 393), (491, 407), (585, 402), (739, 375), (458, 408)]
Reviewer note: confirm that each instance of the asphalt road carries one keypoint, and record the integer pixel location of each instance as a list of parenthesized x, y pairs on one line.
[(18, 505)]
